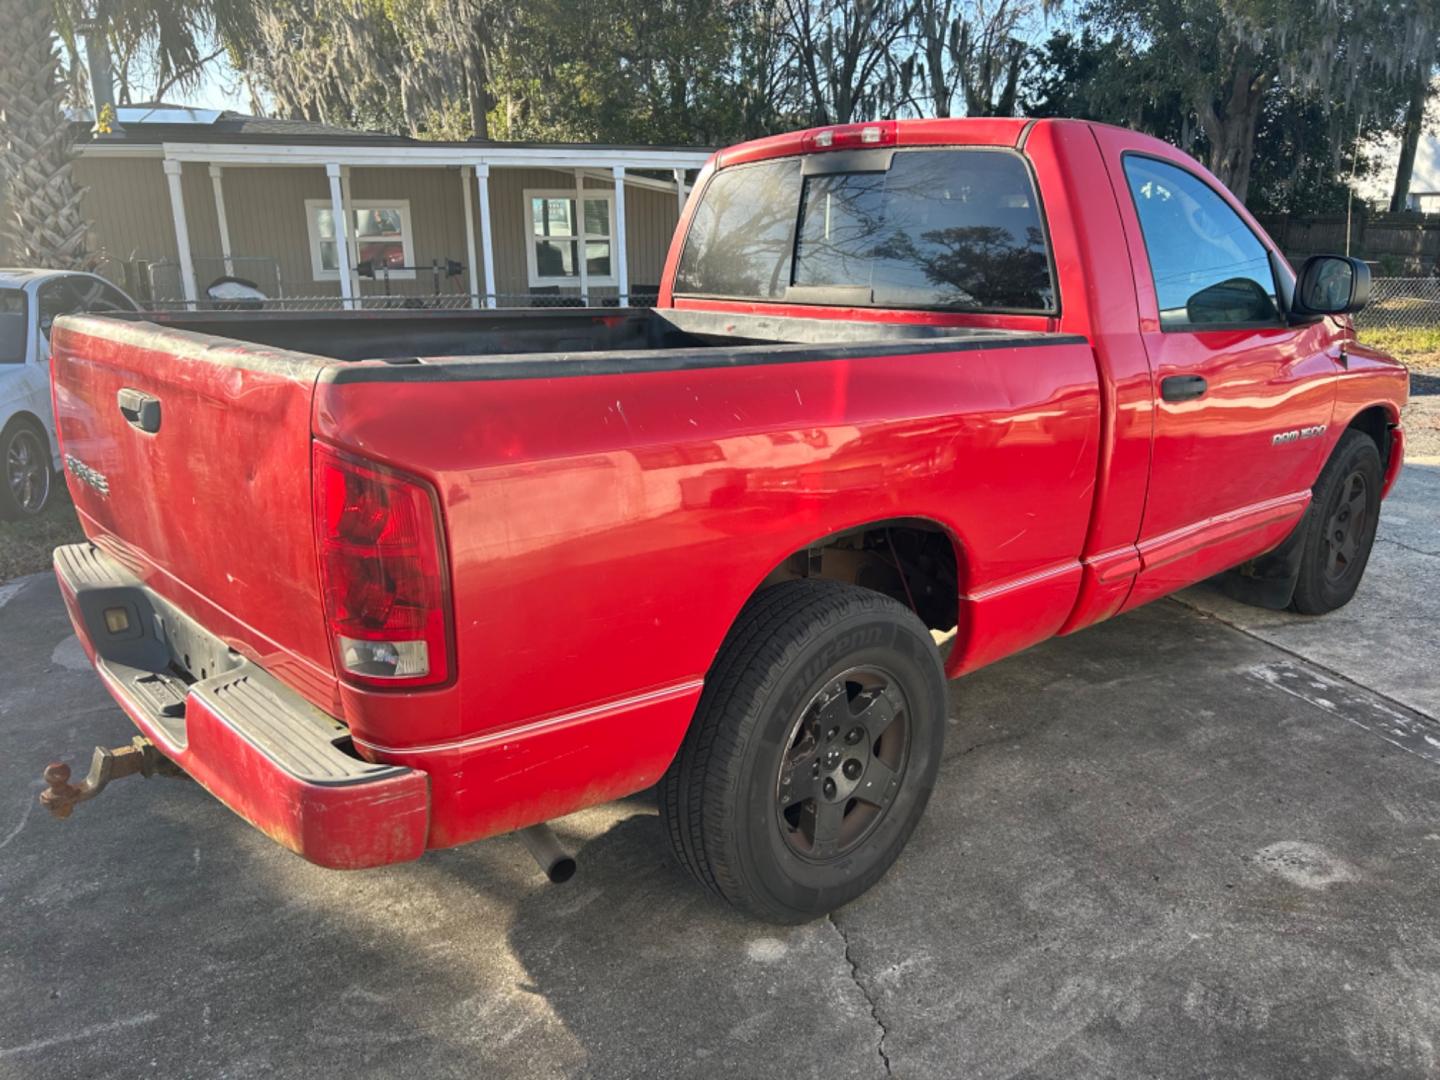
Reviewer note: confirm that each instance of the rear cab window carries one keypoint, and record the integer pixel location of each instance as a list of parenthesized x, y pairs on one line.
[(942, 229)]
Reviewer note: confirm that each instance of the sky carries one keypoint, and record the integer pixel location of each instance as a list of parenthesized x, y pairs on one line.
[(220, 89)]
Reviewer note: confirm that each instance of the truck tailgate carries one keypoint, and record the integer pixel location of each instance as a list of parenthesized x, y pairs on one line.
[(188, 458)]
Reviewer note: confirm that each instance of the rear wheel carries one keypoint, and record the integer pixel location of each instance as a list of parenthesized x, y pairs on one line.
[(25, 459), (812, 753), (1346, 509)]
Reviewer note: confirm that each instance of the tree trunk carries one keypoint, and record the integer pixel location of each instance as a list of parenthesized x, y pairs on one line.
[(1410, 138), (1232, 147), (1229, 125), (43, 225), (480, 102)]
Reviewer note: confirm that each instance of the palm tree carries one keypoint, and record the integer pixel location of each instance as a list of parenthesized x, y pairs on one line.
[(42, 224)]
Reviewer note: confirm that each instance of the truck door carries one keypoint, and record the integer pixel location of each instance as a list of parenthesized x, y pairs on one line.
[(1241, 396)]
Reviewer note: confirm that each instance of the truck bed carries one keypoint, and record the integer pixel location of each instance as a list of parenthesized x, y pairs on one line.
[(612, 485), (402, 336)]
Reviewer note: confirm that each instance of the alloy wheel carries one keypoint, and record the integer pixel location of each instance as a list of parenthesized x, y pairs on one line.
[(27, 471), (1345, 527), (844, 762)]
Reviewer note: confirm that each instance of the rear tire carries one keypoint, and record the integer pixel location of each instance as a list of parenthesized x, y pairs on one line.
[(1346, 511), (26, 478), (812, 753)]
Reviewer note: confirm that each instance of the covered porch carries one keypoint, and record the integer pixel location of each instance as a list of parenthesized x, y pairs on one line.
[(415, 225)]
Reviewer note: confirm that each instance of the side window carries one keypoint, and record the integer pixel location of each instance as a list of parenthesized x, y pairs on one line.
[(55, 298), (1208, 267)]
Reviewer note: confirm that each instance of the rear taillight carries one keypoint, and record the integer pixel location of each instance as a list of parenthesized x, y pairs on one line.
[(383, 572)]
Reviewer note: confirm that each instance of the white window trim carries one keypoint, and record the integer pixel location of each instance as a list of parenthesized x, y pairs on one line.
[(312, 225), (536, 281)]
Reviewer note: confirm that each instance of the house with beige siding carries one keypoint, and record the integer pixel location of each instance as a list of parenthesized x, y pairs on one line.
[(312, 215)]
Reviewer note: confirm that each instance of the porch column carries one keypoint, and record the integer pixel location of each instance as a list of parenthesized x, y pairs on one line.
[(349, 205), (182, 233), (487, 240), (215, 173), (342, 236), (471, 275), (580, 237), (622, 260), (680, 192)]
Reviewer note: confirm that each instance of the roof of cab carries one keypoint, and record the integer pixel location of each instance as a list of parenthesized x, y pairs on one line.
[(954, 131), (17, 276)]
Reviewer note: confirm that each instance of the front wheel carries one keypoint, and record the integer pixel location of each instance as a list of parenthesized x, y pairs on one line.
[(812, 753), (1346, 508), (25, 459)]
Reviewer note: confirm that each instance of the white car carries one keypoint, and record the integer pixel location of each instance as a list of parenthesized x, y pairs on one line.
[(30, 301)]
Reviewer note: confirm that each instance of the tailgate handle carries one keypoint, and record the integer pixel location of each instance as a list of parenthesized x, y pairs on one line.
[(139, 409), (1182, 387)]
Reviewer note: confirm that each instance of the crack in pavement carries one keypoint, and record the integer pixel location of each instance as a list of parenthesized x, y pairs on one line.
[(1407, 547), (865, 993)]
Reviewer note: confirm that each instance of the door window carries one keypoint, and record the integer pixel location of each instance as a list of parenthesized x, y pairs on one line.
[(55, 298), (1209, 269)]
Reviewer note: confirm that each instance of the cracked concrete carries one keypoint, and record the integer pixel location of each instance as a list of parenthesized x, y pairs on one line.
[(1165, 846), (834, 921), (1407, 547)]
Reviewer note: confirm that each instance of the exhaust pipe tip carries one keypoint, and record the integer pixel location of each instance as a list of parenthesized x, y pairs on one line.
[(561, 870), (544, 847)]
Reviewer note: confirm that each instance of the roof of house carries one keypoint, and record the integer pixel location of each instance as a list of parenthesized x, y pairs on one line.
[(152, 125)]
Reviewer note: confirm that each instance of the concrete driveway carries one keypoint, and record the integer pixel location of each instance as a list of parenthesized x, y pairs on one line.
[(1198, 840)]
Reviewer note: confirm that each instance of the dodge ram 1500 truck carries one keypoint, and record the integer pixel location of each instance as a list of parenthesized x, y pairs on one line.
[(390, 581)]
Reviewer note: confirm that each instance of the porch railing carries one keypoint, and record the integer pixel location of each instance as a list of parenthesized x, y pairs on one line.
[(433, 302)]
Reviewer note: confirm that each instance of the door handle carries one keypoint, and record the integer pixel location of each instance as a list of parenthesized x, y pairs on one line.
[(139, 409), (1182, 387)]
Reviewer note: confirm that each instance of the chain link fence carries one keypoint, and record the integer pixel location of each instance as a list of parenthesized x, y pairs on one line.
[(1408, 303)]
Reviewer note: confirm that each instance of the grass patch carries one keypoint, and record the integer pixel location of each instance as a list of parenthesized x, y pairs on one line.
[(1417, 346), (26, 546)]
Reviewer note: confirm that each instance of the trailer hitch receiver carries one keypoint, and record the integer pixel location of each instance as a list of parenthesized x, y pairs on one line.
[(141, 756)]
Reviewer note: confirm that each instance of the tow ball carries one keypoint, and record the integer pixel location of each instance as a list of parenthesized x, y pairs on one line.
[(141, 756)]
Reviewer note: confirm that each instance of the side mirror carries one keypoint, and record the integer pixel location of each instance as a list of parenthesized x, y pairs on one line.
[(1330, 285)]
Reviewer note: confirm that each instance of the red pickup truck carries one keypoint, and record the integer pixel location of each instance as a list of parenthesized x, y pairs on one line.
[(916, 396)]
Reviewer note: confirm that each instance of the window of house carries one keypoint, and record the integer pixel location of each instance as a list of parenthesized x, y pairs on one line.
[(380, 236), (558, 233), (1208, 267)]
